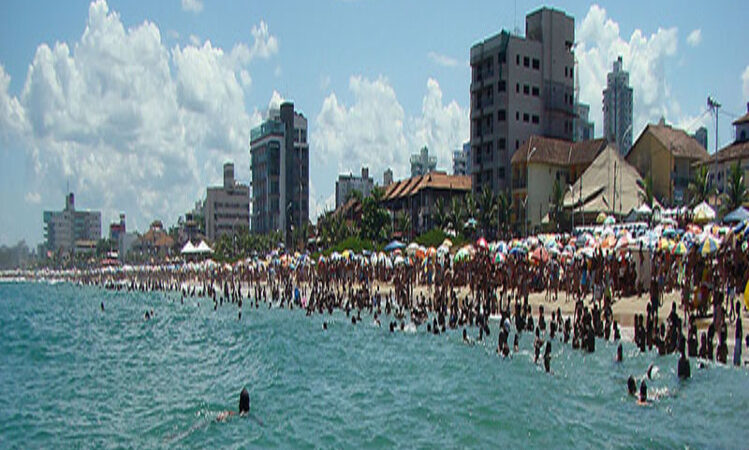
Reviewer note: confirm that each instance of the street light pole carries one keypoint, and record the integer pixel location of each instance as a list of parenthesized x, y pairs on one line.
[(527, 186)]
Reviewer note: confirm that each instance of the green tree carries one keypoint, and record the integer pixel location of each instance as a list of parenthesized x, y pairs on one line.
[(700, 188), (456, 215), (557, 200), (736, 193), (646, 196), (403, 223), (375, 220), (487, 211), (439, 213), (504, 211)]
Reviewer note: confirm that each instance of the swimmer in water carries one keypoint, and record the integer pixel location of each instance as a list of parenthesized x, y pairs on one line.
[(631, 386), (643, 398), (102, 306), (618, 357), (652, 371), (325, 325), (684, 370), (244, 407)]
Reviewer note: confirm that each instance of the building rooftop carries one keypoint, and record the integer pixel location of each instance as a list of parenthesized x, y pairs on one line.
[(558, 152), (434, 180), (736, 151), (676, 140)]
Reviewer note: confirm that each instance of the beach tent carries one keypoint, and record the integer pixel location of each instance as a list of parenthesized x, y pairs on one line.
[(188, 249), (609, 184), (703, 213), (203, 248), (739, 214)]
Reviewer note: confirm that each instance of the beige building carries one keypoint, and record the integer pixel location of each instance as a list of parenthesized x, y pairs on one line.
[(667, 154), (227, 207), (720, 163), (543, 161), (520, 86)]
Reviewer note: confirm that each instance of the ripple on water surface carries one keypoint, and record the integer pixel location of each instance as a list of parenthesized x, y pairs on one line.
[(77, 376)]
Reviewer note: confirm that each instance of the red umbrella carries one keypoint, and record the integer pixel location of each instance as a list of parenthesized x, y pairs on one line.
[(481, 243), (539, 255)]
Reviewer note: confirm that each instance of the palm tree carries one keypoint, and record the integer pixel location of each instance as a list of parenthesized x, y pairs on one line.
[(646, 196), (700, 188), (736, 193), (557, 200), (439, 213), (504, 210), (487, 209), (456, 215)]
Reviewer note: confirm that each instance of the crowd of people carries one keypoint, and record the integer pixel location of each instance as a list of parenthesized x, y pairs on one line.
[(440, 293)]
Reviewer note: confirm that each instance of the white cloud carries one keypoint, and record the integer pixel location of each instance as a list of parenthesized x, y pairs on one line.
[(265, 45), (33, 198), (275, 100), (375, 132), (745, 82), (195, 40), (442, 60), (324, 82), (695, 37), (134, 126), (195, 6), (645, 57)]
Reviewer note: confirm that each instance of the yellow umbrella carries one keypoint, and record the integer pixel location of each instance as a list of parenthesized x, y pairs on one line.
[(601, 217)]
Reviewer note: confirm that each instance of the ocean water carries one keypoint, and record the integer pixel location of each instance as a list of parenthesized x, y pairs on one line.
[(74, 376)]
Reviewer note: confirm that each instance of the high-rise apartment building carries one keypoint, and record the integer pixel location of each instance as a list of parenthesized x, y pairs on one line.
[(462, 160), (280, 171), (62, 229), (349, 183), (227, 207), (387, 177), (701, 136), (422, 163), (584, 128), (520, 86), (617, 108)]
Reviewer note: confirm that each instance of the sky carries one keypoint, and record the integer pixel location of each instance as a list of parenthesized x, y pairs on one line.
[(136, 105)]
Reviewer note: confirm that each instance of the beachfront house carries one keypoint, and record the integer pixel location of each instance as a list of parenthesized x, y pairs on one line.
[(667, 155)]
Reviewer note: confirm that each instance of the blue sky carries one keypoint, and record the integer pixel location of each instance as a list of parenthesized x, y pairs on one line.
[(137, 104)]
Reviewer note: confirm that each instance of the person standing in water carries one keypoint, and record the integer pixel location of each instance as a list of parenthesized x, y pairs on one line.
[(244, 407)]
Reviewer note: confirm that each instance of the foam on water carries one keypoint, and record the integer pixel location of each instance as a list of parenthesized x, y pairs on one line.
[(76, 376)]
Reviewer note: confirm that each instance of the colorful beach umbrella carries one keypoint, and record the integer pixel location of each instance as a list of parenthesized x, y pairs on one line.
[(680, 249), (709, 246)]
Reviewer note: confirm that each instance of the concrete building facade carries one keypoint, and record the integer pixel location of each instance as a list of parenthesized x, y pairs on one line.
[(349, 183), (387, 177), (62, 229), (720, 163), (617, 108), (462, 160), (520, 86), (422, 163), (227, 207), (279, 154)]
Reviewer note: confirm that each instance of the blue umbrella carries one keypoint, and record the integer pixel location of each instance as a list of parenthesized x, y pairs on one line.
[(394, 245)]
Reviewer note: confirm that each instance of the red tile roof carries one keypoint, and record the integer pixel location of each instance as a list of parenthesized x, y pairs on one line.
[(434, 180), (558, 151), (677, 141)]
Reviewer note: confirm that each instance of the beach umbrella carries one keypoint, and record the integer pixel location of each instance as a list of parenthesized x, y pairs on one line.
[(399, 260), (481, 243), (680, 249), (462, 255), (447, 243), (411, 249), (420, 253), (394, 245), (703, 213), (709, 246), (623, 241), (610, 220), (499, 258), (601, 217), (431, 251), (443, 250), (539, 255), (608, 242), (665, 245)]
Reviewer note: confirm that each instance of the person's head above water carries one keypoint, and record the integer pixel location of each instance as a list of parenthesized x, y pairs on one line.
[(244, 401), (643, 391), (631, 385)]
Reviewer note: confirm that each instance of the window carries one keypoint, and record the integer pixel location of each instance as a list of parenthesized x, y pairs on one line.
[(502, 58), (526, 89), (502, 144), (517, 87), (517, 115), (517, 144), (536, 63), (517, 60), (501, 115), (534, 119), (502, 86), (501, 173), (526, 117), (526, 61), (535, 91), (565, 71), (572, 72)]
